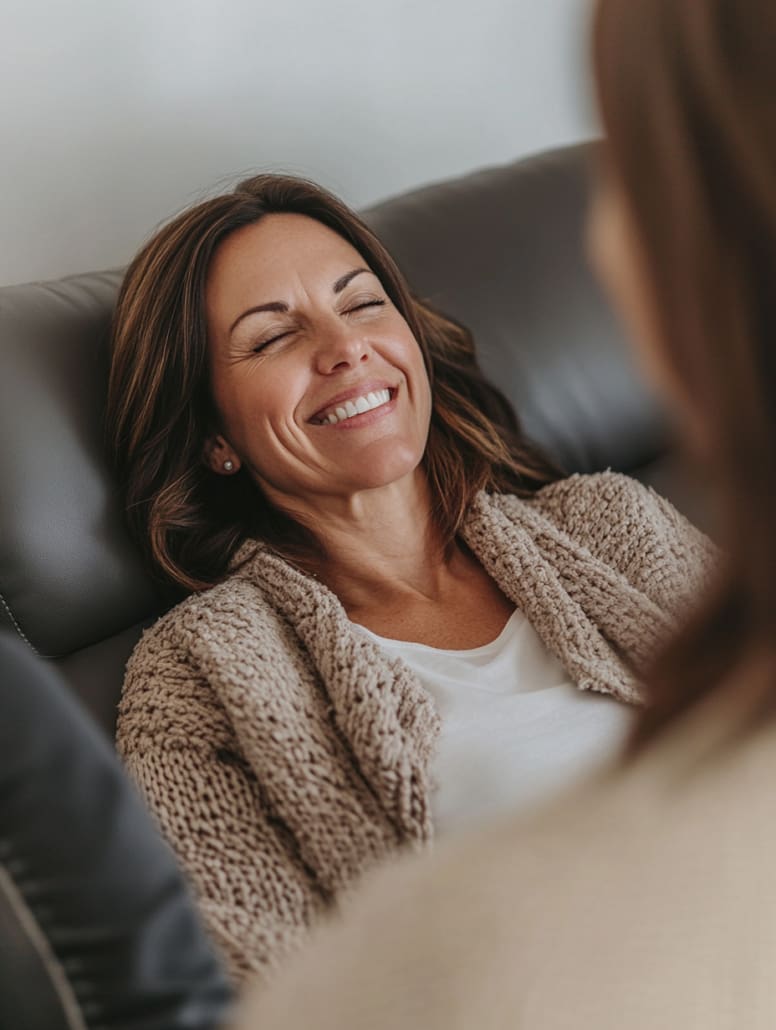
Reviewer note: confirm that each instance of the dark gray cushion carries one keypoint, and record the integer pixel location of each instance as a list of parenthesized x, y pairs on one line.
[(97, 927)]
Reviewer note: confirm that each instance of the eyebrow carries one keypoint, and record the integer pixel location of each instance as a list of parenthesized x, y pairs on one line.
[(281, 306)]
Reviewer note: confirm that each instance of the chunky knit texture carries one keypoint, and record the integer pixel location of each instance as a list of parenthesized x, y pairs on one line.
[(283, 753)]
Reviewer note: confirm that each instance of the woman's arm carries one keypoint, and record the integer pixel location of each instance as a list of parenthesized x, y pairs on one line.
[(178, 744), (256, 897)]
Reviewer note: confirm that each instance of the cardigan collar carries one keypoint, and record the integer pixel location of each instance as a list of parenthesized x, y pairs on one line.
[(586, 613), (602, 629), (387, 717)]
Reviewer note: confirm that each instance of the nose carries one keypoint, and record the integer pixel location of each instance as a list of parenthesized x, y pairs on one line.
[(339, 347)]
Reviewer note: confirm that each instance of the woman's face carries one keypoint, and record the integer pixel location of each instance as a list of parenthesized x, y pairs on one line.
[(318, 382)]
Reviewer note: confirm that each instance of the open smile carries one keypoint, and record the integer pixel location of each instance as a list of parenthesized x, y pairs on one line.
[(374, 403)]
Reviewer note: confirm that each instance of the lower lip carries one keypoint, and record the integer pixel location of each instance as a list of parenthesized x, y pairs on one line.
[(365, 418)]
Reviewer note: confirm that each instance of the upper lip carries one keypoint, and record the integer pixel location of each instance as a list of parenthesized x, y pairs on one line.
[(360, 390)]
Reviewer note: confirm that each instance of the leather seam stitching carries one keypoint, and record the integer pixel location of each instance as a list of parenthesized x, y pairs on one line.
[(42, 946), (16, 625)]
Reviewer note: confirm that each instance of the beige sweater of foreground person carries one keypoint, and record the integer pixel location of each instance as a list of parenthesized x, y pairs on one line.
[(644, 901), (284, 754)]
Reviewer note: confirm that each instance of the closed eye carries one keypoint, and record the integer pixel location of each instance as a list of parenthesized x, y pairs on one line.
[(375, 302), (272, 339), (365, 304)]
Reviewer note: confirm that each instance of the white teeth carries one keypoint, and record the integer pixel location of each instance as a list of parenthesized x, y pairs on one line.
[(373, 399)]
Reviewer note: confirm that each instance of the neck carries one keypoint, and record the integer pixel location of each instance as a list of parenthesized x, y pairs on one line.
[(377, 545)]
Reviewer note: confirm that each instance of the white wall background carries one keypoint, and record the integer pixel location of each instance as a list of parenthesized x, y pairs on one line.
[(114, 114)]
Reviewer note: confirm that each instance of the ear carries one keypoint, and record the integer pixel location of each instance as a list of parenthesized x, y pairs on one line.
[(220, 457)]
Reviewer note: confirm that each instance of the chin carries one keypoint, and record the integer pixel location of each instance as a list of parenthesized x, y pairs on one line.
[(386, 471), (387, 460), (380, 480)]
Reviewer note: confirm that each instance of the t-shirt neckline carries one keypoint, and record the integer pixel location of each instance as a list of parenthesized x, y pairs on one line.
[(469, 652)]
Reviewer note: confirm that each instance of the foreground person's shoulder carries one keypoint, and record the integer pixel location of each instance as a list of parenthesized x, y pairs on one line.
[(593, 906), (437, 941)]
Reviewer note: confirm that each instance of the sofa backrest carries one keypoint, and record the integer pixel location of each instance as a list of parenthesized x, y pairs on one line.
[(500, 250), (503, 251)]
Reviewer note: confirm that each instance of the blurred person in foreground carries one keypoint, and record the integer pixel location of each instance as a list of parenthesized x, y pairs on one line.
[(647, 899)]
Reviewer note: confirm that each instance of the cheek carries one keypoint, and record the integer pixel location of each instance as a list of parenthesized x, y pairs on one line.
[(423, 386), (403, 350), (245, 402), (609, 253), (615, 257), (613, 254), (228, 400)]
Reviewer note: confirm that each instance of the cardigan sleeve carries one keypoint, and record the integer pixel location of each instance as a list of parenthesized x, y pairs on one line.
[(255, 895), (638, 532)]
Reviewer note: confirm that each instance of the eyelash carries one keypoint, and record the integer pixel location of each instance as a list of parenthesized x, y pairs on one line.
[(358, 307)]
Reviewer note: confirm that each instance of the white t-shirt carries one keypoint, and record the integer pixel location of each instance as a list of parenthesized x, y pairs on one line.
[(515, 729)]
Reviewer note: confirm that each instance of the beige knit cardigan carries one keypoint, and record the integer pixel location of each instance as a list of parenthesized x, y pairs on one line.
[(283, 753)]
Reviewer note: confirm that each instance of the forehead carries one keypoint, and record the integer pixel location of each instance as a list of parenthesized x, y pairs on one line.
[(265, 261)]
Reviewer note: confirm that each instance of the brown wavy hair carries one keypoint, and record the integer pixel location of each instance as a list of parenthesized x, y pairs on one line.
[(188, 521), (686, 91)]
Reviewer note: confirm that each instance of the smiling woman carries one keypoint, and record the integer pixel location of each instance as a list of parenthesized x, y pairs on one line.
[(393, 597), (197, 314)]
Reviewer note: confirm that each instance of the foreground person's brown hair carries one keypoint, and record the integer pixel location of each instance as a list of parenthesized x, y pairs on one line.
[(687, 92), (188, 521)]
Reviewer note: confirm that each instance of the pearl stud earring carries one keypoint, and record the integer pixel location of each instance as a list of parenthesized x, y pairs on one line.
[(228, 465)]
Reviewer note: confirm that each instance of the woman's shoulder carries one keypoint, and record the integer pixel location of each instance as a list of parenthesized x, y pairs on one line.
[(179, 658), (599, 501), (618, 518), (582, 492), (235, 600), (627, 525)]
